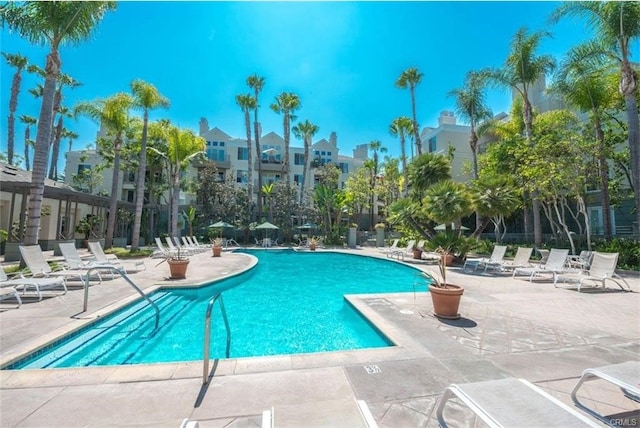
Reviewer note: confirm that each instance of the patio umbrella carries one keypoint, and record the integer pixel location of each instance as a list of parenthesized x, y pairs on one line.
[(221, 225), (307, 226), (266, 225)]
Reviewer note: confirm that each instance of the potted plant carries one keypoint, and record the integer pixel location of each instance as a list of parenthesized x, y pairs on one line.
[(379, 227), (313, 243), (177, 265), (216, 247), (86, 226), (417, 252), (444, 296)]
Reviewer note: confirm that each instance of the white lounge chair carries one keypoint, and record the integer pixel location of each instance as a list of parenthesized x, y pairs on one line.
[(390, 248), (602, 268), (494, 261), (520, 260), (554, 266), (8, 288), (512, 402), (38, 284), (162, 251), (625, 375), (39, 267), (74, 261), (400, 252)]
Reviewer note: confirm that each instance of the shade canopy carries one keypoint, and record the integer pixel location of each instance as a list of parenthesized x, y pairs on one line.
[(266, 225), (453, 226), (221, 224)]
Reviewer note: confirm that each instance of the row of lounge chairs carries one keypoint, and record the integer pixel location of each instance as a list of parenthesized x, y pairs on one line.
[(587, 267), (40, 275)]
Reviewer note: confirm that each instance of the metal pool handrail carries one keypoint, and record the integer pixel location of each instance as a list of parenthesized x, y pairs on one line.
[(207, 334), (124, 275)]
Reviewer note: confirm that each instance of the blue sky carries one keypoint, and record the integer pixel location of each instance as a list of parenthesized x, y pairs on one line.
[(341, 58)]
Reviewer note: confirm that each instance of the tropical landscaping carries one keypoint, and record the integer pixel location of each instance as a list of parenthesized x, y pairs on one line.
[(537, 169)]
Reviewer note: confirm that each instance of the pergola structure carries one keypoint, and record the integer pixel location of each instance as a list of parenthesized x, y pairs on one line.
[(66, 204)]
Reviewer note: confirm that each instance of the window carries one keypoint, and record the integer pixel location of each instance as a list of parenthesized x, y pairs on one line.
[(241, 176), (344, 167), (82, 167), (242, 153), (297, 178), (218, 155), (298, 159), (433, 144), (328, 153)]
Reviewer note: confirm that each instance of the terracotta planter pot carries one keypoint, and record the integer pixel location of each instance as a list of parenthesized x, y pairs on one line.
[(446, 301), (217, 251), (417, 254), (312, 247), (178, 268), (448, 259)]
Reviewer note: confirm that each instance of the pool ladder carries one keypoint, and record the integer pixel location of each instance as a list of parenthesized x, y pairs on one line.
[(207, 334), (123, 274)]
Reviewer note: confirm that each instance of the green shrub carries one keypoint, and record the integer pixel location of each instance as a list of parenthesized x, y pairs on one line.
[(124, 253), (628, 251)]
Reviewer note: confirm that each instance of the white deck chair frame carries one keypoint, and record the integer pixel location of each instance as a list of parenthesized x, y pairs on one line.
[(38, 284), (495, 259), (602, 268), (555, 266), (512, 402), (39, 267), (401, 252), (625, 375), (520, 260)]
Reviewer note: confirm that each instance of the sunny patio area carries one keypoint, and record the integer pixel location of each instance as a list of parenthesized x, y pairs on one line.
[(510, 327)]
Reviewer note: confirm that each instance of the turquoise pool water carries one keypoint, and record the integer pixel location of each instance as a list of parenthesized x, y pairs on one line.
[(289, 303)]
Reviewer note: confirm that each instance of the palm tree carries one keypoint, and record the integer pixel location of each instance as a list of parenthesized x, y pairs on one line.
[(27, 120), (146, 97), (55, 144), (248, 103), (53, 24), (585, 84), (20, 63), (617, 25), (113, 114), (410, 78), (70, 135), (286, 103), (257, 83), (471, 107), (267, 191), (401, 127), (305, 130), (521, 70), (376, 147), (183, 146)]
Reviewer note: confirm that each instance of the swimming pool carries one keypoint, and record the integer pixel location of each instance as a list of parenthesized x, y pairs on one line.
[(289, 303)]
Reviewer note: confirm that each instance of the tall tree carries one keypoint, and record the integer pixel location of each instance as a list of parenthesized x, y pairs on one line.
[(410, 78), (522, 69), (183, 146), (376, 147), (146, 97), (617, 26), (113, 114), (305, 131), (248, 103), (256, 83), (401, 127), (20, 63), (585, 84), (286, 103), (63, 80), (471, 106), (29, 121), (71, 136), (49, 23)]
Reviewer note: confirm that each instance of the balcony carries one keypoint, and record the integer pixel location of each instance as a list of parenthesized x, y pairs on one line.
[(220, 164), (270, 165)]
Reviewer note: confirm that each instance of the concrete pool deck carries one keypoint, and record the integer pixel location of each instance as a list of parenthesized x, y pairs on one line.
[(509, 327)]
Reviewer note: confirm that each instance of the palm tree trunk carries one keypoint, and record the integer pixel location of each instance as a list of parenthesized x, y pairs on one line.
[(247, 124), (256, 130), (41, 153), (305, 169), (55, 150), (285, 165), (113, 202), (142, 170), (11, 125), (174, 201), (416, 131), (27, 137), (403, 154), (604, 180)]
